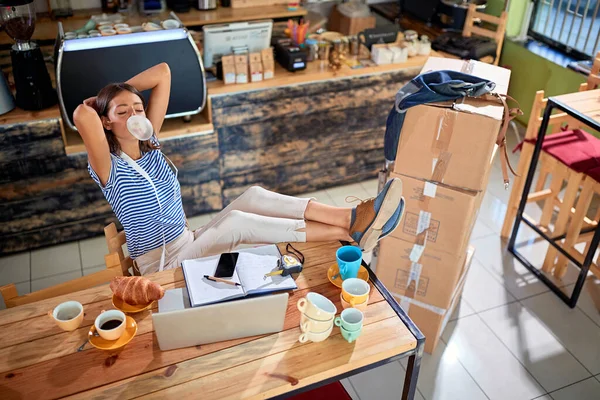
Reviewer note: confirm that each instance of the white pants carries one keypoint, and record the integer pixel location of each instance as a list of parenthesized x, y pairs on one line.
[(258, 216)]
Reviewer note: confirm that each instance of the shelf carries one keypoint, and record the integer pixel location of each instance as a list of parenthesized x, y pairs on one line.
[(314, 72), (172, 127), (47, 29), (19, 115)]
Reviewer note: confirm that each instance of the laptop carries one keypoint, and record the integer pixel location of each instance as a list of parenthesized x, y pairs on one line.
[(178, 325)]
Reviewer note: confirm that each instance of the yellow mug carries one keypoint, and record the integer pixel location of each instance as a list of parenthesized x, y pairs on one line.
[(360, 306), (68, 315), (355, 291)]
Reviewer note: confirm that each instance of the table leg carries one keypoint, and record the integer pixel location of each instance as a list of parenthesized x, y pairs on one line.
[(412, 374), (585, 267), (529, 180)]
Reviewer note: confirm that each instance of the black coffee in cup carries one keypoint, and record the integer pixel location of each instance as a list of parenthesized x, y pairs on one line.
[(111, 324)]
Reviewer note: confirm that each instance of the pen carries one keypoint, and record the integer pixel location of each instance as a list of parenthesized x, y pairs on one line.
[(214, 279)]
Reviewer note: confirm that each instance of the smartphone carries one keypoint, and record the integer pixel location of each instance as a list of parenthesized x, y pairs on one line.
[(226, 265)]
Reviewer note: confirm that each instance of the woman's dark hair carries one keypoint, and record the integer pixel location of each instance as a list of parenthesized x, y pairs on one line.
[(102, 105)]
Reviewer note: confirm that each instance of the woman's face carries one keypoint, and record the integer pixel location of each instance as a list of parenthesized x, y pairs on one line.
[(122, 106)]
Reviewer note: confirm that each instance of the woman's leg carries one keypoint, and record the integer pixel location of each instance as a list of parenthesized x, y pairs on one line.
[(319, 232), (238, 227), (330, 215), (260, 201)]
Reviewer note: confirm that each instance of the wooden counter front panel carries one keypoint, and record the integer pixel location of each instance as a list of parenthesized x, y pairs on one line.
[(291, 139), (47, 197), (306, 137)]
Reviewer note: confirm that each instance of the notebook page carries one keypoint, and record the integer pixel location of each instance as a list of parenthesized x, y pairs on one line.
[(202, 291), (252, 269)]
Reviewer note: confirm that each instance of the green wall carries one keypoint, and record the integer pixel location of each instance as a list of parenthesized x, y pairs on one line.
[(530, 73)]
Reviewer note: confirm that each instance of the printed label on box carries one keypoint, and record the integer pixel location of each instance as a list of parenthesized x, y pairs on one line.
[(402, 282), (411, 224)]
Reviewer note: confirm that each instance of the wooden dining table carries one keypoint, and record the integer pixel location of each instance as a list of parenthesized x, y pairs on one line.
[(40, 361)]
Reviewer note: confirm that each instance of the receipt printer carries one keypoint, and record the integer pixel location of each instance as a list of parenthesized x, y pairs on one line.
[(289, 55)]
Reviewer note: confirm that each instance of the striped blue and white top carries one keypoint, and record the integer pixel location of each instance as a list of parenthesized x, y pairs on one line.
[(134, 202)]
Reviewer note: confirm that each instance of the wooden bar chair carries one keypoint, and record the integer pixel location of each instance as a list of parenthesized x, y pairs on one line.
[(574, 235), (113, 268), (549, 165)]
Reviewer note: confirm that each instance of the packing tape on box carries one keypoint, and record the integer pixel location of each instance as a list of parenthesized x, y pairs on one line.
[(421, 240), (441, 142), (406, 301), (424, 221), (412, 283)]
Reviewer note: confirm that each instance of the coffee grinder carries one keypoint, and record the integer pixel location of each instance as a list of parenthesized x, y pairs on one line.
[(32, 81)]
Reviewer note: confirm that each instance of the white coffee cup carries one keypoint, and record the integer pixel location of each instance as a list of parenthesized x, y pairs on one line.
[(317, 307), (110, 334), (315, 336), (68, 315), (308, 324)]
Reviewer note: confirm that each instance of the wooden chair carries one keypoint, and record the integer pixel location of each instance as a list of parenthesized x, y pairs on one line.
[(117, 264), (497, 35), (593, 79), (113, 268), (470, 29), (115, 241)]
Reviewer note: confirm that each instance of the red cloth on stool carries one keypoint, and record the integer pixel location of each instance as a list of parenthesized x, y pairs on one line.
[(594, 173), (333, 391), (577, 149)]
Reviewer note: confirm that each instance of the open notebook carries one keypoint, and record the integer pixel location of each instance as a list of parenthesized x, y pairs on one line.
[(249, 272)]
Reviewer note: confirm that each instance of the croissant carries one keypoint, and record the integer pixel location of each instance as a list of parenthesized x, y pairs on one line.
[(136, 289)]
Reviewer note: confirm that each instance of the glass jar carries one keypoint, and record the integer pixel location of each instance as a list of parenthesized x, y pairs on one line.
[(354, 47), (424, 46), (324, 50), (412, 42), (312, 49)]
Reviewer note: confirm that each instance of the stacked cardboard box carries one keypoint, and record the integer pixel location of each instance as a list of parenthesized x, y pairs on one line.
[(444, 159)]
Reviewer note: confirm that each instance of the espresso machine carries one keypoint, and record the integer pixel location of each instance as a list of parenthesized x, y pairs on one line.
[(32, 81)]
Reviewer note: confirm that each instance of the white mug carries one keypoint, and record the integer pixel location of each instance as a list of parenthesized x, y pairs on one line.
[(112, 334), (315, 336), (307, 324), (68, 315), (317, 307)]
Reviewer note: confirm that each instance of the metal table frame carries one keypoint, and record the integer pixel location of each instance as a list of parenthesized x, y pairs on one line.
[(584, 268), (415, 355)]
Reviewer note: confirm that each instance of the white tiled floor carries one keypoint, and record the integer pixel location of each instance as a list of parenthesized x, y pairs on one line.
[(509, 338)]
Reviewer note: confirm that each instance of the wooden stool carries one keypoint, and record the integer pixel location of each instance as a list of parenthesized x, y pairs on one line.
[(591, 187), (550, 165)]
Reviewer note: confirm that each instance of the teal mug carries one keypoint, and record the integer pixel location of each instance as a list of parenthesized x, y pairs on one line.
[(350, 336), (351, 320), (349, 259)]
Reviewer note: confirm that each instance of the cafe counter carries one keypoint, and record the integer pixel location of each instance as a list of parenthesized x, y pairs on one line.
[(295, 133)]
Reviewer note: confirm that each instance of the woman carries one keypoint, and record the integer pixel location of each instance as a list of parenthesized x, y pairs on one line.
[(144, 193)]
